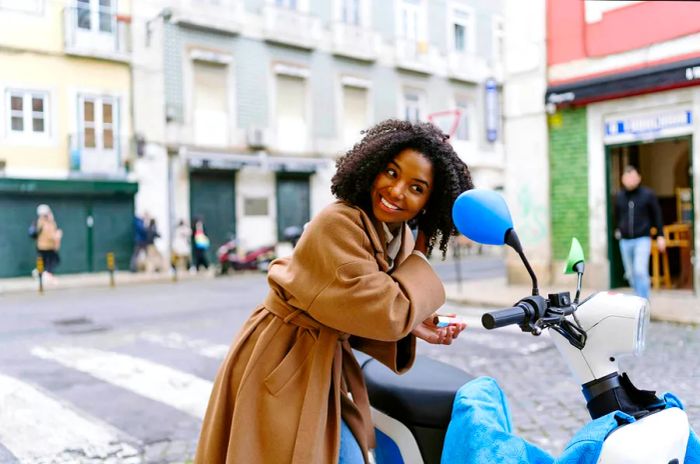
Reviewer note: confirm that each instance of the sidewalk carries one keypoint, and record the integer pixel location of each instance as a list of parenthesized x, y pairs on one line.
[(666, 305), (95, 279)]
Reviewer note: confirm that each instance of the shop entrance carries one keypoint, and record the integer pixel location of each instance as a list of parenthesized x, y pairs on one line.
[(665, 167)]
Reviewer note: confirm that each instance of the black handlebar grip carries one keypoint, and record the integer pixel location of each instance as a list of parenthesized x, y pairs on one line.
[(503, 317)]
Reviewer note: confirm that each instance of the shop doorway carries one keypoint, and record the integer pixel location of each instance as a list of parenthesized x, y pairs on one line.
[(666, 167)]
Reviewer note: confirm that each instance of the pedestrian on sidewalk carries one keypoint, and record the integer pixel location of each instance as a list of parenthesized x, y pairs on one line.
[(48, 240), (138, 256), (154, 260), (290, 389), (182, 245), (201, 244), (637, 210)]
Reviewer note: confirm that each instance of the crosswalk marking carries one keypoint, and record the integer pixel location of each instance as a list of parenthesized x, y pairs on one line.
[(38, 428), (179, 341), (183, 391)]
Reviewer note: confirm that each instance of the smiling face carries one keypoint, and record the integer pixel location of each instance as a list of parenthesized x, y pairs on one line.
[(402, 189)]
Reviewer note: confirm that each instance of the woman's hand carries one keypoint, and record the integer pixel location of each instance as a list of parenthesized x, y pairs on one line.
[(428, 331), (421, 243)]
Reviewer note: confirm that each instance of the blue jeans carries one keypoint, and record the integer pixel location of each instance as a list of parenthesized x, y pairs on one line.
[(350, 452), (635, 259)]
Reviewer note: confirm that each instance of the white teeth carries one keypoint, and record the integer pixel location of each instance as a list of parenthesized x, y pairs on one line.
[(387, 204)]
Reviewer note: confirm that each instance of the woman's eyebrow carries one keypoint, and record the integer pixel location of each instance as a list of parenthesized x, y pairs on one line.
[(395, 163)]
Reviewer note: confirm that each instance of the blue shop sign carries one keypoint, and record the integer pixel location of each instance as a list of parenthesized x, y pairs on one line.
[(649, 125)]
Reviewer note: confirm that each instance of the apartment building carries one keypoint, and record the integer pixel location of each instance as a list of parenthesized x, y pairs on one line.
[(244, 106), (65, 130)]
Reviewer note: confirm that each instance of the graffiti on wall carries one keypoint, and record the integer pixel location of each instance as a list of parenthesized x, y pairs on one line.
[(532, 218)]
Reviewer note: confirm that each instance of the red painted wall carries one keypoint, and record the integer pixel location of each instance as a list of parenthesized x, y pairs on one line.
[(569, 37)]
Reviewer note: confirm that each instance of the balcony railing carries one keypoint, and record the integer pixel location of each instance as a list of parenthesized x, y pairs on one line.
[(290, 27), (87, 158), (354, 42), (467, 67), (93, 33), (414, 55), (223, 17)]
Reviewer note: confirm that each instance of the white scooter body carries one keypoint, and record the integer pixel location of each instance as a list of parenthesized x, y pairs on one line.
[(661, 437), (615, 324)]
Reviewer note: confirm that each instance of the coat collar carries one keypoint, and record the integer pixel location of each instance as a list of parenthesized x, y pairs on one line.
[(377, 239)]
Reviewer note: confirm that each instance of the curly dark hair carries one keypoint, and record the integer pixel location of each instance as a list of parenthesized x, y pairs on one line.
[(358, 168)]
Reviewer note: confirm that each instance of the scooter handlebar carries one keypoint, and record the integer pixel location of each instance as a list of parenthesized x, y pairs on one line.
[(503, 317)]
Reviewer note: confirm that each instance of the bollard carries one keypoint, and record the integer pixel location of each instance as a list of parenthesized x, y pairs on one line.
[(110, 267), (40, 271)]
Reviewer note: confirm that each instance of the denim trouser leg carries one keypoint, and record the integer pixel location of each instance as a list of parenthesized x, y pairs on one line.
[(635, 259), (350, 452)]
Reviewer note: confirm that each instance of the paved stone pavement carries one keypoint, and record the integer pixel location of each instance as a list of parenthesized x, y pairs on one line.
[(546, 403)]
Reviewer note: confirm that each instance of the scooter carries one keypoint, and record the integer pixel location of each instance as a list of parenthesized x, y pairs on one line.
[(413, 413), (258, 259)]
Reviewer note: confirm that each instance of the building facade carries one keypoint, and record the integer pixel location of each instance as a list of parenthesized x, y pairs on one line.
[(623, 88), (244, 106), (66, 130)]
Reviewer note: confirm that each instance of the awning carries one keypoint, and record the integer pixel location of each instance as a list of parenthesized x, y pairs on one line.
[(206, 160), (653, 79)]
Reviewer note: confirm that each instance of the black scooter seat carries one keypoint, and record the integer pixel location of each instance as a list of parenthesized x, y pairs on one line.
[(421, 397)]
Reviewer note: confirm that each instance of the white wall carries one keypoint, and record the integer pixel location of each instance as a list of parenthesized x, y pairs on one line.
[(525, 133)]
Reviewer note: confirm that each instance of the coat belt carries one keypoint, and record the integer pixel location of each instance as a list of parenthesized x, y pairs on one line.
[(333, 355)]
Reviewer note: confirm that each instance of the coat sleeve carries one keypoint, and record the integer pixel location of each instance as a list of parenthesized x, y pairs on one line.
[(360, 299), (397, 356)]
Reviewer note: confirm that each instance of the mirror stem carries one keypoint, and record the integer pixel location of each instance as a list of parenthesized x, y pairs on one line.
[(514, 242)]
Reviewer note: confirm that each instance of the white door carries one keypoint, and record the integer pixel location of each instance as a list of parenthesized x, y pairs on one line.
[(96, 24), (99, 147), (410, 28)]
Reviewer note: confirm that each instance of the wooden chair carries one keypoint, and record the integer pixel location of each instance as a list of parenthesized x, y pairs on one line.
[(677, 236)]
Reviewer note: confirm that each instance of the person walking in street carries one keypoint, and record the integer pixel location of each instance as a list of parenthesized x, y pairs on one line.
[(48, 240), (182, 245), (637, 210), (201, 244), (290, 389), (140, 244)]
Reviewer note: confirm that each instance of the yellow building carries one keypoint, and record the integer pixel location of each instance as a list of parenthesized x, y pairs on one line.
[(65, 129)]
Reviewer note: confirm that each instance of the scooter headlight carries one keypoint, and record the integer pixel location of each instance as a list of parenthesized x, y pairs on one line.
[(642, 326)]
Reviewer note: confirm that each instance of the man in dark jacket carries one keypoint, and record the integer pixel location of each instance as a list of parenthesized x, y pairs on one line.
[(637, 210)]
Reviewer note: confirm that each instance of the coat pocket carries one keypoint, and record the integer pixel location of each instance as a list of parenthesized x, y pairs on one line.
[(294, 365)]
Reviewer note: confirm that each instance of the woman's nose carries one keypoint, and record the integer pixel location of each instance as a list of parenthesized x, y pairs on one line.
[(396, 191)]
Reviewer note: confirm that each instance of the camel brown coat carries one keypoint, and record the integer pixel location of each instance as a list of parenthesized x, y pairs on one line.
[(280, 393)]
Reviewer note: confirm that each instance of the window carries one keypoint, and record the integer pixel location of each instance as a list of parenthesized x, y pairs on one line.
[(463, 128), (355, 110), (409, 15), (23, 6), (27, 112), (413, 103), (210, 102), (98, 116), (462, 29), (291, 117), (350, 12), (96, 16)]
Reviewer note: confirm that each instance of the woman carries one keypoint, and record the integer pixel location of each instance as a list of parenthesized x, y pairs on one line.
[(48, 240), (290, 389)]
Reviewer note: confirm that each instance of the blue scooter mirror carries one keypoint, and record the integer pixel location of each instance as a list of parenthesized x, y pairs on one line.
[(482, 216)]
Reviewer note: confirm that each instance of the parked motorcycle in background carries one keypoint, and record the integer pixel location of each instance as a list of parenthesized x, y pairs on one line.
[(436, 413), (257, 259)]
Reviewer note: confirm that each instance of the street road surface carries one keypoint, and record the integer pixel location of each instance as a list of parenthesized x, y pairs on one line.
[(123, 375)]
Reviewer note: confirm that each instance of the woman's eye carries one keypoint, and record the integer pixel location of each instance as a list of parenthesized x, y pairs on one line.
[(418, 188), (391, 172)]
